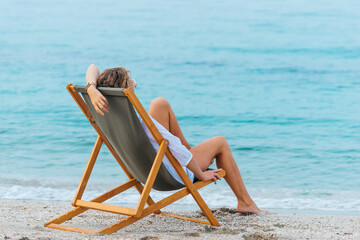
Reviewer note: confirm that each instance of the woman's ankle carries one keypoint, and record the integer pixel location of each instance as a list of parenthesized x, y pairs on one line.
[(245, 202)]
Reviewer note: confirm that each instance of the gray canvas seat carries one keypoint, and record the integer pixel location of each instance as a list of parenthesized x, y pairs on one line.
[(122, 129)]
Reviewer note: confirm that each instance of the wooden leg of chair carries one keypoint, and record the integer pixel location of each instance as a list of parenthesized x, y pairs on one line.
[(190, 186), (71, 229), (185, 218), (151, 177), (88, 170), (66, 216), (78, 210), (204, 208), (139, 187)]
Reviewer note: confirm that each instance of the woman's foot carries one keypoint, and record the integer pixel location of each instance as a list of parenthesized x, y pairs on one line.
[(249, 208)]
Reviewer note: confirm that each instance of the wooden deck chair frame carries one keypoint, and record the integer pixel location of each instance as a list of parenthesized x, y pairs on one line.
[(140, 211)]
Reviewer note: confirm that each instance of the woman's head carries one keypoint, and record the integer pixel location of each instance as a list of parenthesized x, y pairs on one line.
[(117, 77)]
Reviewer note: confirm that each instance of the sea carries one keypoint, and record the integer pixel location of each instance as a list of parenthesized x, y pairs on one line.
[(280, 80)]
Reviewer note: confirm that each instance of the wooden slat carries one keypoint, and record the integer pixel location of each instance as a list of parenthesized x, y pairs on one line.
[(129, 92), (185, 218), (66, 216), (101, 198), (88, 169), (149, 200), (82, 105), (71, 229), (115, 191), (151, 177), (106, 207)]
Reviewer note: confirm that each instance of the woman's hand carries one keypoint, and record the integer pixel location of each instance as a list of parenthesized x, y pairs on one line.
[(203, 176), (211, 175), (98, 100)]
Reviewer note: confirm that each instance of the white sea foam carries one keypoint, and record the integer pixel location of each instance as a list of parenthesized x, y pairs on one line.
[(216, 196)]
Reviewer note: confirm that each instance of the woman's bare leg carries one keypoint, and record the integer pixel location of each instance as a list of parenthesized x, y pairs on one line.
[(217, 147), (206, 152), (162, 112)]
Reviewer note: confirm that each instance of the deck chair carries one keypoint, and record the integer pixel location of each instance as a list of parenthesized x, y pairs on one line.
[(121, 132)]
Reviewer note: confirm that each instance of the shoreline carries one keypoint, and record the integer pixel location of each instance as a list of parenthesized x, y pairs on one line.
[(194, 208), (25, 219)]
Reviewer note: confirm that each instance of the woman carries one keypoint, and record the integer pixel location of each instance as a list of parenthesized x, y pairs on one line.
[(195, 160)]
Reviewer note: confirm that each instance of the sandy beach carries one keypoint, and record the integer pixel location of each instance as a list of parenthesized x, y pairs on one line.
[(25, 220)]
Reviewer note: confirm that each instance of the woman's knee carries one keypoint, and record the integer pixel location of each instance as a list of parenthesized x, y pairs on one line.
[(220, 139), (159, 102), (221, 142)]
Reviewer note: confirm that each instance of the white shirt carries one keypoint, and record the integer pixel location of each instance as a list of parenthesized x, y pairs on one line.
[(180, 152)]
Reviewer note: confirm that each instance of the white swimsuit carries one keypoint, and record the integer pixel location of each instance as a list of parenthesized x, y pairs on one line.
[(180, 152)]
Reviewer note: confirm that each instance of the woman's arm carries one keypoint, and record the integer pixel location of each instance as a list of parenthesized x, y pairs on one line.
[(91, 74), (203, 176), (97, 99)]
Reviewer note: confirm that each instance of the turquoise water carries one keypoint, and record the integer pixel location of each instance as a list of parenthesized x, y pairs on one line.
[(280, 80)]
